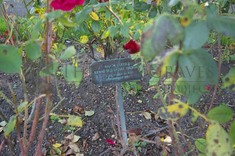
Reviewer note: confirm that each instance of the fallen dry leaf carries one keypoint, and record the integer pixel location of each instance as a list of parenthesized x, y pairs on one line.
[(96, 136), (147, 115), (89, 113), (72, 137), (74, 147), (78, 109)]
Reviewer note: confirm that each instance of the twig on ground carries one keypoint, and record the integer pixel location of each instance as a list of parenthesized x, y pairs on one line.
[(106, 151), (1, 146), (156, 131)]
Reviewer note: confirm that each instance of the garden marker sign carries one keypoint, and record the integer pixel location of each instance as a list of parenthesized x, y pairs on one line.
[(116, 71)]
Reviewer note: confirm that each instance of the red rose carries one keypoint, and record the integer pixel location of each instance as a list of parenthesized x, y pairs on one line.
[(66, 5), (132, 47), (110, 141), (208, 88)]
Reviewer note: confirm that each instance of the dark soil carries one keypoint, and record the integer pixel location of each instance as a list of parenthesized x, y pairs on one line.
[(101, 99)]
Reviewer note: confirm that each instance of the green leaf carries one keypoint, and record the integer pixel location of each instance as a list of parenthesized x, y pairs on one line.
[(49, 70), (21, 107), (54, 15), (72, 74), (232, 133), (153, 12), (154, 80), (33, 50), (113, 30), (223, 24), (74, 121), (95, 25), (35, 31), (169, 63), (141, 6), (125, 30), (165, 27), (229, 79), (192, 91), (68, 53), (67, 22), (195, 116), (173, 112), (173, 2), (220, 114), (196, 34), (10, 59), (198, 67), (81, 16), (217, 140), (105, 34), (10, 126), (201, 145)]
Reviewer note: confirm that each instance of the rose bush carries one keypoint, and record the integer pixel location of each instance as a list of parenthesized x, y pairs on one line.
[(66, 5)]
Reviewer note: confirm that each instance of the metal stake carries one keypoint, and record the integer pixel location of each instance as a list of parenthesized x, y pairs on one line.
[(119, 101)]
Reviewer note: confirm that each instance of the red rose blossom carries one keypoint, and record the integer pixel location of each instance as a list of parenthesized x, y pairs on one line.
[(208, 88), (110, 141), (66, 5), (132, 47)]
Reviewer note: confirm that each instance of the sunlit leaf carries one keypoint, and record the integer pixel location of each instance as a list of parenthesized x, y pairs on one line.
[(74, 121), (173, 112), (220, 114), (201, 145), (105, 34), (154, 80), (57, 145), (218, 141), (94, 16), (169, 63), (68, 53), (83, 39), (21, 107), (10, 126), (194, 117), (232, 133), (72, 74), (10, 59), (229, 79)]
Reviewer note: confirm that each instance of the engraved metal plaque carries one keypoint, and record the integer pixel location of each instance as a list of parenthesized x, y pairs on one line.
[(114, 71)]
